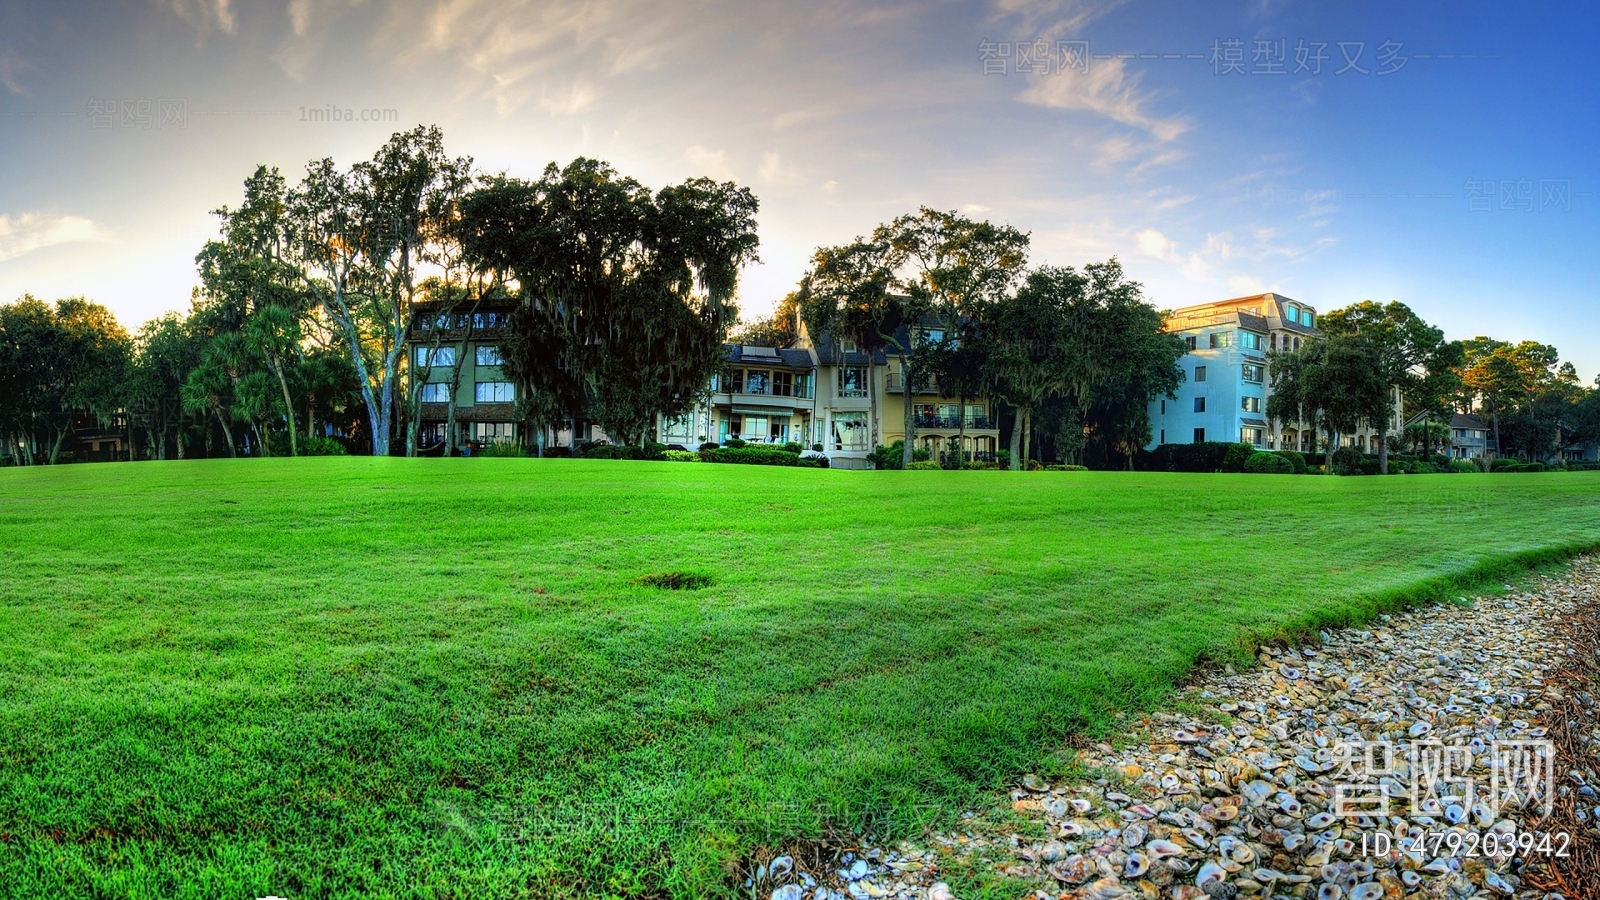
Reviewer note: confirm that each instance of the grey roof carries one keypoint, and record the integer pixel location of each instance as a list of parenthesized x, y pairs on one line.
[(790, 358), (828, 354), (1254, 323), (1259, 423), (1462, 420)]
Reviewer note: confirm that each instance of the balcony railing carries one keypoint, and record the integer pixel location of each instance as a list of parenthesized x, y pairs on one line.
[(897, 384), (978, 422), (797, 391)]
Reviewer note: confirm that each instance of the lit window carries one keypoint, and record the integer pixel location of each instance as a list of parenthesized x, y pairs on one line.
[(852, 381), (850, 431), (1221, 339), (1249, 340), (1250, 404), (1254, 373), (489, 356), (436, 356), (495, 392), (494, 432)]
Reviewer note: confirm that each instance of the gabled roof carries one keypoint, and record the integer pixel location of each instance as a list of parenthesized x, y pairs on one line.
[(829, 354), (787, 357)]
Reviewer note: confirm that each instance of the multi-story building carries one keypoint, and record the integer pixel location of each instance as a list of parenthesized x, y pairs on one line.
[(828, 392), (1226, 383), (455, 354)]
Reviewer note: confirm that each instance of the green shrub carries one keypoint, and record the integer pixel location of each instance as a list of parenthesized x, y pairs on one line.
[(680, 456), (792, 447), (502, 449), (1534, 467), (1206, 456), (753, 456), (1297, 460), (1263, 462), (558, 453), (890, 457), (1503, 463), (654, 450), (925, 465), (1003, 457), (1066, 467), (614, 451), (733, 442), (921, 454), (975, 465), (817, 446), (708, 445), (812, 462), (1033, 465), (322, 446), (1367, 466), (1234, 457), (1465, 465)]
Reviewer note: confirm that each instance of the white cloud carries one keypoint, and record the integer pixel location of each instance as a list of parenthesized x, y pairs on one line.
[(708, 162), (1154, 243), (566, 101), (974, 209), (11, 69), (1106, 90), (1249, 284), (33, 231), (774, 170), (204, 15)]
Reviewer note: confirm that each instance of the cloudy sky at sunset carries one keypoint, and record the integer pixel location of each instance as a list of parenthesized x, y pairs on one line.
[(1464, 181)]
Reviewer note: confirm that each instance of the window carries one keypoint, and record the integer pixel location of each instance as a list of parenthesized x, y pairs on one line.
[(1163, 407), (933, 336), (782, 384), (1252, 436), (802, 385), (489, 355), (1189, 342), (757, 382), (1199, 373), (850, 431), (974, 416), (753, 428), (430, 433), (1199, 404), (1199, 435), (436, 393), (1305, 318), (1297, 343), (1254, 373), (679, 430), (847, 345), (436, 356), (1249, 340), (1163, 435), (1250, 404), (494, 432), (495, 392), (1221, 339), (852, 381)]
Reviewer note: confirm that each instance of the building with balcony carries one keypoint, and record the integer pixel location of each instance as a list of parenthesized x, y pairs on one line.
[(1226, 382), (454, 356)]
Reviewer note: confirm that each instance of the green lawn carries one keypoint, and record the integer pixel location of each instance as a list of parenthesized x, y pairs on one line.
[(438, 678)]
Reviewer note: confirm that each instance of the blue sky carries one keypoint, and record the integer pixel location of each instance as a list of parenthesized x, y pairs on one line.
[(1465, 183)]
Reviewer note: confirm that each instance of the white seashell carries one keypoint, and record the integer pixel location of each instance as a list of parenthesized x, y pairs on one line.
[(940, 891), (1137, 865), (1164, 849), (1371, 890)]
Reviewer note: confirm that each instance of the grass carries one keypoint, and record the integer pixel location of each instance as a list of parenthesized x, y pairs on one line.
[(341, 677)]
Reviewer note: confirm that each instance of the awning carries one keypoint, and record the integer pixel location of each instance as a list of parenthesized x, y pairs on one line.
[(764, 410), (1258, 423)]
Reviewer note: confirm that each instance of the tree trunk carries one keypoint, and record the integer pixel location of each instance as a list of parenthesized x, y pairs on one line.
[(1016, 438), (961, 435), (907, 452), (55, 450), (1327, 452), (288, 407), (1027, 436), (1383, 452), (228, 433)]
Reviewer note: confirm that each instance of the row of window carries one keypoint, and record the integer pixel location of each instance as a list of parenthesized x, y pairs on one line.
[(1248, 340), (482, 392), (447, 321), (1248, 435), (1251, 372), (429, 357), (1247, 404), (775, 383), (478, 432)]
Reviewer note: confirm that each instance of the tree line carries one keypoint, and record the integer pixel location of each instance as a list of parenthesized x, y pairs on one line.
[(622, 301)]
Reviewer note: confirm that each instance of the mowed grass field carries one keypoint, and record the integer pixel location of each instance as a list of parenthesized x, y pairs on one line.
[(441, 678)]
